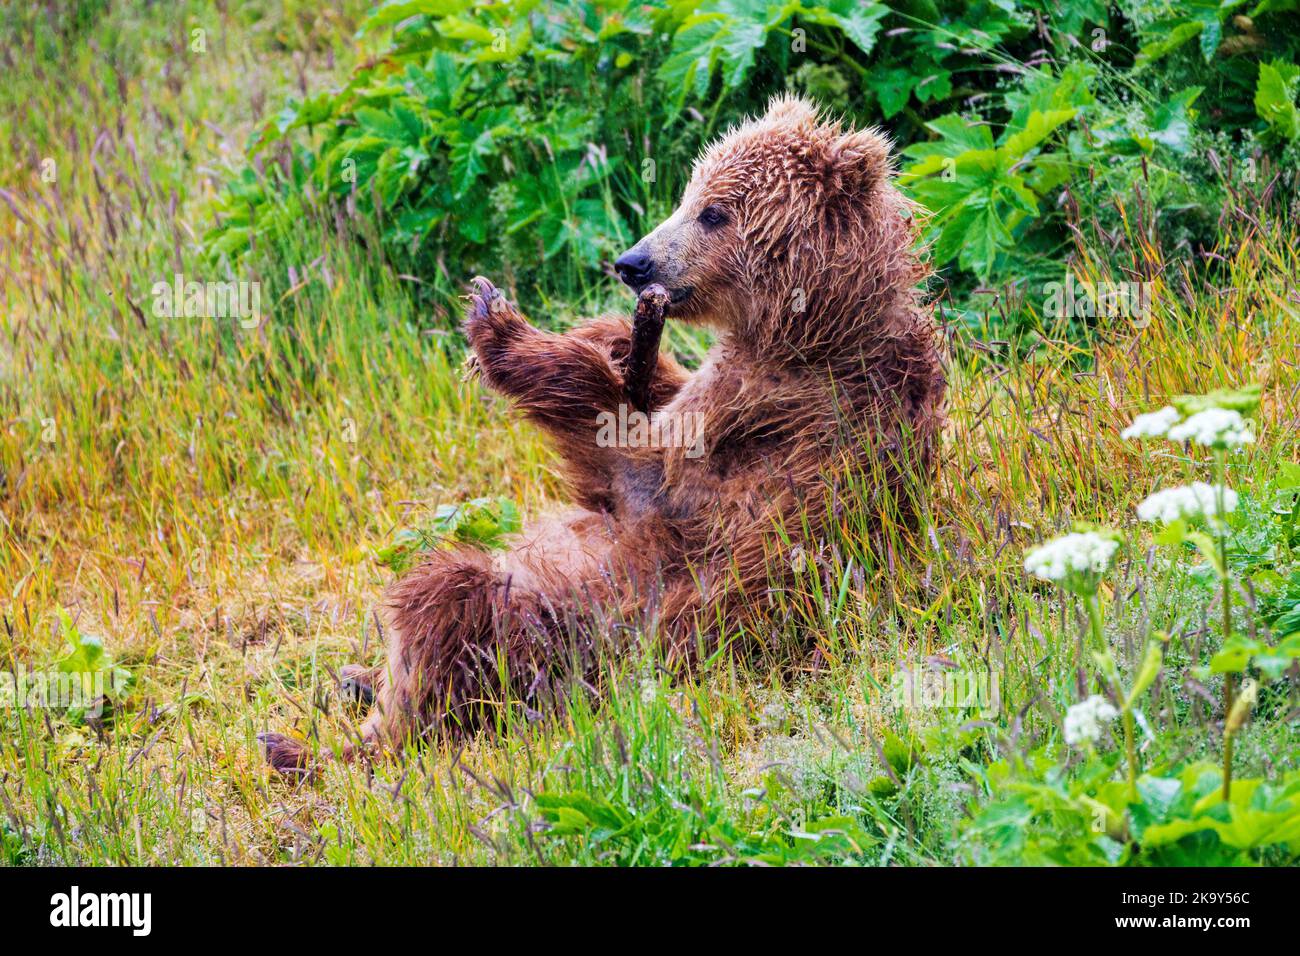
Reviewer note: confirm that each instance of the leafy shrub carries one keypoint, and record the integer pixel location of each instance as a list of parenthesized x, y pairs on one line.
[(1040, 815), (538, 140), (85, 659)]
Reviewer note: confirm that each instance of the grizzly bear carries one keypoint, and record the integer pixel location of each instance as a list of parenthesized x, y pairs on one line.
[(792, 243)]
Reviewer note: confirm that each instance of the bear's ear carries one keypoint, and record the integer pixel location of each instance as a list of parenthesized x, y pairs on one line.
[(788, 109), (862, 158)]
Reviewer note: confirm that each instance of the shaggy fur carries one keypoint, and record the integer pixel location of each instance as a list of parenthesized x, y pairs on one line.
[(793, 244)]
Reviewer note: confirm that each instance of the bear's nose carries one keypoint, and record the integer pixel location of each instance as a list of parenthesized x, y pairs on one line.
[(634, 268)]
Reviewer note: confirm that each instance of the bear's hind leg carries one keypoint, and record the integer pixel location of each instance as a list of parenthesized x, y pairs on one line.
[(454, 623), (466, 632)]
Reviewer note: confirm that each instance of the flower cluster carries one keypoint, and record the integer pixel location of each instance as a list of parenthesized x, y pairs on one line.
[(1197, 500), (1152, 424), (1084, 721), (1075, 561), (1218, 428)]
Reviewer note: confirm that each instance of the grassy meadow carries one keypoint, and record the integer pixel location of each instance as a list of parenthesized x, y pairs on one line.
[(195, 507)]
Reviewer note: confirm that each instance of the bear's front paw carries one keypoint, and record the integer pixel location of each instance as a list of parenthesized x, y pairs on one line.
[(490, 319)]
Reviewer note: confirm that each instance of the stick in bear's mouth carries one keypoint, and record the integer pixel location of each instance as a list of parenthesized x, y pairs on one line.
[(643, 356)]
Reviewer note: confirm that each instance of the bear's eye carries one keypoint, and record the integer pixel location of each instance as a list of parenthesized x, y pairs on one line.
[(713, 217)]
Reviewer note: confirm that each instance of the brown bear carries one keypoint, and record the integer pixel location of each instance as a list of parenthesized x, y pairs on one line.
[(793, 244)]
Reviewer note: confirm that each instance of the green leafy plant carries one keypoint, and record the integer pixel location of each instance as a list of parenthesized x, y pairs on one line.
[(1275, 99), (703, 836), (483, 522), (496, 138), (982, 189), (85, 661), (724, 38), (1039, 815)]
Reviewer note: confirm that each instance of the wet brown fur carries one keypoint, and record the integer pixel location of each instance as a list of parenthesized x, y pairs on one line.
[(661, 543)]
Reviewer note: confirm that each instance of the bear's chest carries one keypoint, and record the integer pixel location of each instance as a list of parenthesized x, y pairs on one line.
[(732, 433)]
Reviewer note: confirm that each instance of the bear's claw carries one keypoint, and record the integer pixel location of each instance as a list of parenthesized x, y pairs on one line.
[(484, 287), (490, 316), (485, 299)]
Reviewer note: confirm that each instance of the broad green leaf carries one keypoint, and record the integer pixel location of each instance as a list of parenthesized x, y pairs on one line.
[(382, 124), (1208, 548), (395, 11), (860, 22), (957, 135), (1149, 670), (1071, 17), (1012, 190), (1038, 127), (892, 89), (727, 33), (986, 236), (1211, 37), (1175, 38), (456, 28), (1275, 99), (437, 84), (1288, 476), (933, 87), (1244, 400), (1171, 126)]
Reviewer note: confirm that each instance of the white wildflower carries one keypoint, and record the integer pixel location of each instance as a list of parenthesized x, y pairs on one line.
[(1083, 721), (1152, 424), (1214, 428), (1074, 561), (1197, 500)]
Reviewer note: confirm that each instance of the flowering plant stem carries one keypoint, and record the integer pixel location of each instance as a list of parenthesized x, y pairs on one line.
[(1110, 671), (1229, 682)]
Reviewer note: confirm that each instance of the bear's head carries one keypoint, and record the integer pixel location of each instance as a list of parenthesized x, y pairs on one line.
[(790, 235)]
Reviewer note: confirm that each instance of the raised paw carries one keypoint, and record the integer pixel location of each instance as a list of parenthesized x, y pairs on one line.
[(490, 318)]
